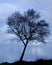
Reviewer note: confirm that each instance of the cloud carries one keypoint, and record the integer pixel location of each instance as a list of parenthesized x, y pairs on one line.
[(6, 9), (21, 5)]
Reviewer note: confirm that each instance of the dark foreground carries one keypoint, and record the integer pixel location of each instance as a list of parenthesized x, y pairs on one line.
[(38, 62)]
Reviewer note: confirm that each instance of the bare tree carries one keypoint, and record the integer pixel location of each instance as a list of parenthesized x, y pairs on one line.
[(28, 27)]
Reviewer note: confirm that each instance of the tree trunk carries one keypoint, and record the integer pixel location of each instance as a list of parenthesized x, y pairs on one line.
[(21, 58)]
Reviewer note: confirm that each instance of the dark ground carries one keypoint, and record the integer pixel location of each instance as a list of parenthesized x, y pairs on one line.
[(38, 62)]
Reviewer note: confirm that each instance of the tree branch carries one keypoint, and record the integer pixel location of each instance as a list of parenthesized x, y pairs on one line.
[(19, 36)]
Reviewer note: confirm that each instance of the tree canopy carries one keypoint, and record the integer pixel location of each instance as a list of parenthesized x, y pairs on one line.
[(28, 26)]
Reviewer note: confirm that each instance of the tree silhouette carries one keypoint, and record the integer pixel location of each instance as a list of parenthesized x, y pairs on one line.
[(28, 27)]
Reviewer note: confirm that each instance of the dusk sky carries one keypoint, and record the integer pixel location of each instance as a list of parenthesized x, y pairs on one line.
[(9, 51)]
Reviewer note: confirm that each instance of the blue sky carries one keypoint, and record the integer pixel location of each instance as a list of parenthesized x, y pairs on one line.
[(7, 7)]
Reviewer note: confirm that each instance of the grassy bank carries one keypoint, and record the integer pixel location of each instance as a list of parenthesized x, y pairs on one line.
[(38, 62)]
